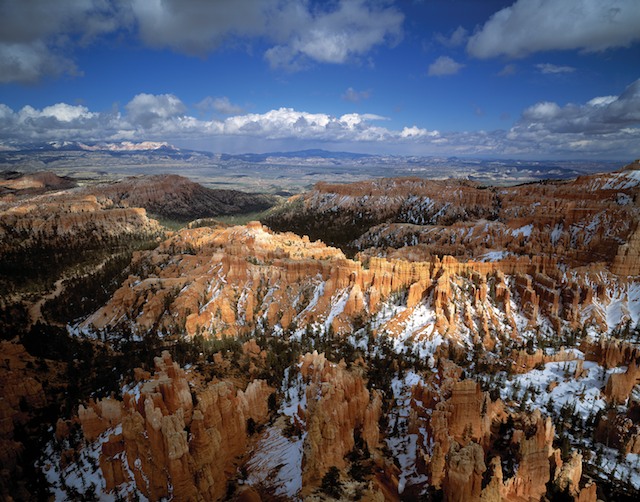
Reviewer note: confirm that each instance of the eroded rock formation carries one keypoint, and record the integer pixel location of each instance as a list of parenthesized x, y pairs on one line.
[(339, 407), (178, 445)]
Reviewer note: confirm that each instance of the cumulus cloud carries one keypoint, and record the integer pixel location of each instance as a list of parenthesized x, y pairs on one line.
[(600, 115), (456, 39), (195, 27), (551, 69), (604, 126), (221, 105), (146, 110), (38, 37), (287, 123), (508, 70), (35, 35), (336, 36), (530, 26), (354, 96), (163, 117), (444, 65)]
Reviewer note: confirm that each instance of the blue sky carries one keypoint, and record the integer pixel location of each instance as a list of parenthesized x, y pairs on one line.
[(526, 79)]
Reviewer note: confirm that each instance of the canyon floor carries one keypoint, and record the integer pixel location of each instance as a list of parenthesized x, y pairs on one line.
[(389, 339)]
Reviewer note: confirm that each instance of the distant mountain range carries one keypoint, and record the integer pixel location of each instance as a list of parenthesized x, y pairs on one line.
[(280, 172), (312, 153), (167, 149)]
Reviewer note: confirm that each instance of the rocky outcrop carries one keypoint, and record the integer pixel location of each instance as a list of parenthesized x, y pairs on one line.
[(593, 218), (224, 280), (67, 217), (22, 397), (96, 418), (16, 183), (465, 467), (620, 385), (567, 477), (474, 440), (339, 406), (175, 445), (173, 196), (620, 431), (534, 452)]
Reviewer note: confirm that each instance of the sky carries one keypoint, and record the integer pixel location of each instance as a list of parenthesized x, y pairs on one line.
[(530, 79)]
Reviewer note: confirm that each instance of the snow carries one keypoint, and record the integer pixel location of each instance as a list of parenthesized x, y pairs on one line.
[(403, 446), (494, 256), (337, 307), (294, 392), (633, 302), (615, 310), (612, 466), (317, 293), (276, 462), (83, 475), (421, 321), (584, 391), (523, 231), (556, 233), (623, 181)]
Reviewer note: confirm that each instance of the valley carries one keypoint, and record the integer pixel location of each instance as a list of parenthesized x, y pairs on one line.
[(398, 338)]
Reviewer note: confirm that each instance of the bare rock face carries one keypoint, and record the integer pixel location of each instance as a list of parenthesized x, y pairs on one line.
[(21, 395), (165, 459), (463, 481), (173, 196), (36, 183), (567, 478), (627, 260), (472, 435), (619, 385), (219, 280), (614, 353), (100, 416), (461, 421), (339, 406), (425, 218), (534, 453), (64, 219), (619, 430)]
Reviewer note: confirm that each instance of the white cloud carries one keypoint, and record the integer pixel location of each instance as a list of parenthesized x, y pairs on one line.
[(301, 32), (417, 132), (530, 26), (147, 109), (444, 65), (456, 39), (35, 34), (354, 96), (38, 37), (542, 111), (287, 123), (195, 27), (600, 115), (221, 105), (350, 30), (604, 126), (551, 69), (28, 62), (508, 70), (67, 113), (602, 101)]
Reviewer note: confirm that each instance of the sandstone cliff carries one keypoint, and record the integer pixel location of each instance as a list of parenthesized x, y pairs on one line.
[(173, 196), (174, 443), (591, 219)]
